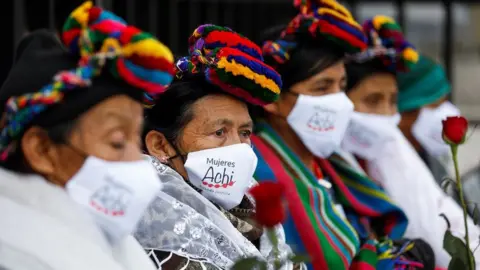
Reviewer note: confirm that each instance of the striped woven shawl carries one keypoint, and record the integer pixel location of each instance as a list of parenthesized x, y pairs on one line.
[(314, 226)]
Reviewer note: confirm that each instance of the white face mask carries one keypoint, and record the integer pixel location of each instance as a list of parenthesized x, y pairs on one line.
[(223, 174), (320, 122), (427, 129), (115, 193), (367, 134)]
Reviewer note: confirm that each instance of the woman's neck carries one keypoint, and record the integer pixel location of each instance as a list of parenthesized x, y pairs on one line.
[(281, 126)]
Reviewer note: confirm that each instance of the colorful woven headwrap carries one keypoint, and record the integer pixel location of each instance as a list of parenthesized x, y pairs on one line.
[(387, 43), (232, 62), (325, 20), (102, 40)]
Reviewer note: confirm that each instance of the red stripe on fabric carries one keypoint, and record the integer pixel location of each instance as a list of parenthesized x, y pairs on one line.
[(69, 36), (359, 207), (305, 229), (330, 241), (148, 87), (94, 13), (359, 265), (108, 26), (155, 63), (128, 33), (342, 34), (231, 39)]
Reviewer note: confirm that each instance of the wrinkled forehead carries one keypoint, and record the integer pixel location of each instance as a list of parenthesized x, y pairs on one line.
[(220, 109)]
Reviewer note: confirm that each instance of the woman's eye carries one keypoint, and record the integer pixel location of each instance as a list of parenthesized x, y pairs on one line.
[(246, 133), (220, 132), (118, 145)]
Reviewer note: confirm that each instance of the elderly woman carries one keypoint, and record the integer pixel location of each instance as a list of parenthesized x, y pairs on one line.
[(73, 184), (336, 214), (198, 137), (386, 155)]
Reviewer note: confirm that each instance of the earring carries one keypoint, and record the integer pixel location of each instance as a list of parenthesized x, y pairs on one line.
[(164, 159)]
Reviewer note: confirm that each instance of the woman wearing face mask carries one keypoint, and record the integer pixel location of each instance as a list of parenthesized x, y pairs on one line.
[(423, 103), (374, 138), (334, 221), (73, 185), (200, 128)]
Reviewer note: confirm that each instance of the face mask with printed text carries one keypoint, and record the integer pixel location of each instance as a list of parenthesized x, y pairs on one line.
[(223, 174)]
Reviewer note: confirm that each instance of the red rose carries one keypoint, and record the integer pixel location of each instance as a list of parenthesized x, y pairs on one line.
[(454, 129), (269, 203)]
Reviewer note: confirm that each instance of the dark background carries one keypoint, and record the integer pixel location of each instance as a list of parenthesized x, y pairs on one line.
[(172, 21)]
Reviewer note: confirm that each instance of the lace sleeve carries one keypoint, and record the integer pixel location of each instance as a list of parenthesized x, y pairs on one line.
[(169, 261)]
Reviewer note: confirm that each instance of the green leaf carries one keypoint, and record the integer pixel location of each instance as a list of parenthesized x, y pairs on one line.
[(248, 263), (456, 248), (300, 258), (476, 215), (456, 264)]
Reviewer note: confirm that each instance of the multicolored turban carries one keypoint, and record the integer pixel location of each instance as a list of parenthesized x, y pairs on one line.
[(103, 44), (388, 44), (232, 62), (322, 20)]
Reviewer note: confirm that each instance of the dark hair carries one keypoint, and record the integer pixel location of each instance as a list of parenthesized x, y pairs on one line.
[(58, 134), (356, 72), (309, 57), (173, 109)]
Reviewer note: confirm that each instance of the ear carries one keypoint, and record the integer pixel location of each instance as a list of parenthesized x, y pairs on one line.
[(157, 145), (272, 108), (39, 151)]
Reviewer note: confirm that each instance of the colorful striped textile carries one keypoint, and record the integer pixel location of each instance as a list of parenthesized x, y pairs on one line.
[(387, 43), (322, 20), (314, 226), (233, 63), (103, 41)]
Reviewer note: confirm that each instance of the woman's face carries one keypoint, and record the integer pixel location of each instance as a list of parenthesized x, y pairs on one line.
[(111, 130), (217, 120), (329, 81), (376, 94)]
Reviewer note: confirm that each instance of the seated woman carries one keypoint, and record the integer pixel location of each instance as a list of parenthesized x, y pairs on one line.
[(423, 104), (337, 215), (384, 152), (201, 128), (73, 183)]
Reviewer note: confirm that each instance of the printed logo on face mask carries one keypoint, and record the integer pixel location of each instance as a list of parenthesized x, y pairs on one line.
[(111, 199), (218, 174), (322, 120)]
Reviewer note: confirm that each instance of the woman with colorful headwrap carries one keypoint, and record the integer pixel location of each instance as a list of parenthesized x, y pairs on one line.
[(376, 141), (73, 184), (423, 104), (338, 216), (198, 138)]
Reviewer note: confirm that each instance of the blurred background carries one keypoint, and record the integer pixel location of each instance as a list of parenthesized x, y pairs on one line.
[(446, 30)]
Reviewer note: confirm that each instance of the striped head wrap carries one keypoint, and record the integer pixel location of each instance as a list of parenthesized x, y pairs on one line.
[(323, 20), (102, 41), (388, 44), (232, 62)]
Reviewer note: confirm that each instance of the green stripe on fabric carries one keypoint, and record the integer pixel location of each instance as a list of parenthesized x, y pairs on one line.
[(346, 233), (367, 256)]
